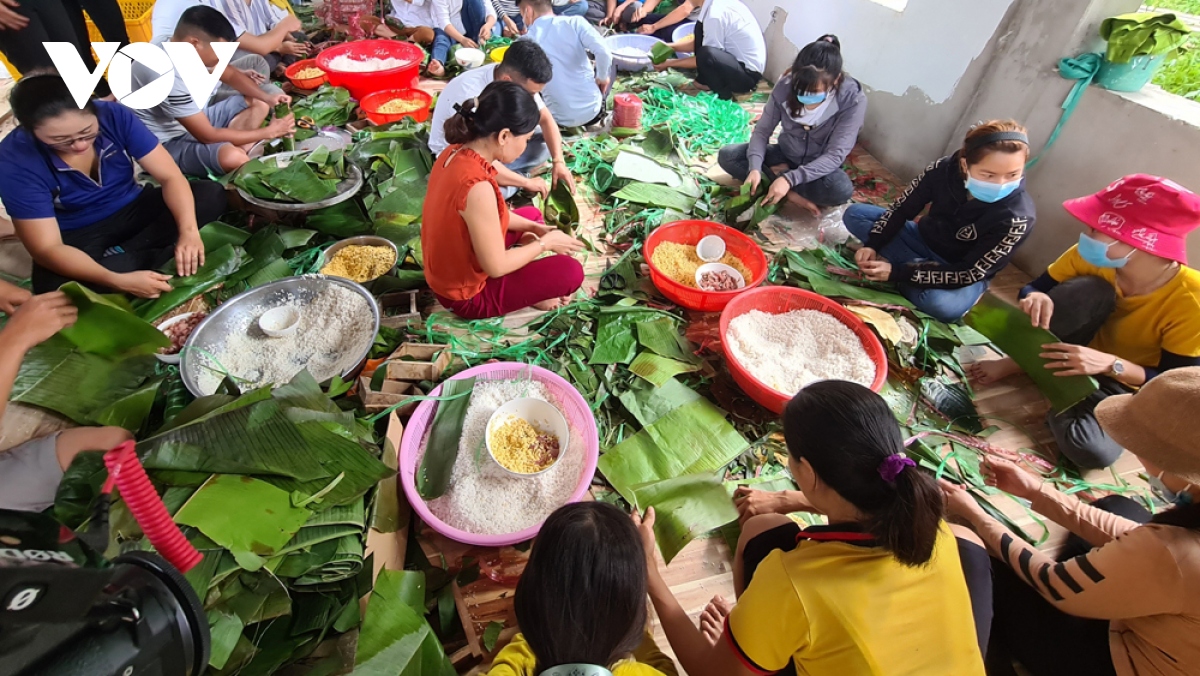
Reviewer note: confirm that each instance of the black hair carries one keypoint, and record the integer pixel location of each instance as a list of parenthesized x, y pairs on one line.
[(820, 62), (39, 97), (1183, 516), (544, 5), (526, 60), (582, 598), (846, 432), (502, 105), (205, 23)]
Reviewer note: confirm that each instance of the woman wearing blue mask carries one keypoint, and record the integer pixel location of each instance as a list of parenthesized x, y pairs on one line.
[(1123, 302), (821, 110), (979, 213)]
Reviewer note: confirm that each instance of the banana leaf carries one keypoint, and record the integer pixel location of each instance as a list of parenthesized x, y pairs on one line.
[(658, 370), (658, 143), (615, 341), (249, 517), (275, 270), (262, 249), (346, 560), (1009, 328), (57, 376), (226, 630), (691, 439), (661, 337), (358, 469), (130, 411), (218, 266), (647, 403), (405, 201), (340, 220), (660, 52), (108, 327), (79, 486), (433, 474), (217, 234), (328, 106), (560, 210), (685, 507), (953, 401), (657, 196), (299, 183), (395, 638), (762, 212), (294, 238)]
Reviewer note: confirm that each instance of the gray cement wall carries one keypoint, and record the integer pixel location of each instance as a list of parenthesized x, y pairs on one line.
[(940, 66)]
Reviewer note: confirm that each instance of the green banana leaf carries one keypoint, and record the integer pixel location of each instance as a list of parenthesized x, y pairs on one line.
[(1143, 34), (108, 327), (346, 219), (810, 267), (218, 266), (217, 234), (344, 561), (263, 248), (299, 183), (57, 376), (615, 341), (226, 630), (130, 411), (762, 211), (1009, 328), (395, 638), (560, 210), (660, 52), (658, 370), (433, 474), (249, 517), (661, 336), (656, 195), (685, 507), (294, 238), (692, 439), (275, 270), (647, 403), (657, 143), (328, 106)]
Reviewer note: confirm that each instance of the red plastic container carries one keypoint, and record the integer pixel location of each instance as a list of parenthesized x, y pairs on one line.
[(360, 85), (307, 82), (371, 103), (627, 111), (778, 300), (691, 232)]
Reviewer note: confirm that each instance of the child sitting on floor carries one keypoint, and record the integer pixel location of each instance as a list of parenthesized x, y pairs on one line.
[(581, 602)]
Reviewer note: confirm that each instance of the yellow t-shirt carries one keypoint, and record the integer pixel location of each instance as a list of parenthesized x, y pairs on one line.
[(517, 659), (1142, 327), (844, 608)]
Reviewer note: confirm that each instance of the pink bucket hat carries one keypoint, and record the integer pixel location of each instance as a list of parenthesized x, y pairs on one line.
[(1146, 212)]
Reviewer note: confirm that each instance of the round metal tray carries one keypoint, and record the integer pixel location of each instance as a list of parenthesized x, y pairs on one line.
[(334, 139), (346, 188), (215, 329), (361, 240)]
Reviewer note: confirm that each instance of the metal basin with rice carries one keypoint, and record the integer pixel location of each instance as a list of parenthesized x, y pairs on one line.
[(630, 51), (346, 189), (214, 334), (362, 240), (332, 138)]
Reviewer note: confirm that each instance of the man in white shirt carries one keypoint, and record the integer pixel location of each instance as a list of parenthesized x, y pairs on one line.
[(213, 138), (417, 19), (468, 22), (575, 95), (526, 64), (730, 50)]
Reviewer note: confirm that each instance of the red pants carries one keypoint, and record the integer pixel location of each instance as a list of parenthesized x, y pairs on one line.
[(543, 279)]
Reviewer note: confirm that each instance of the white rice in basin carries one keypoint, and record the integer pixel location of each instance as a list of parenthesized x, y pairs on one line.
[(791, 350), (484, 499)]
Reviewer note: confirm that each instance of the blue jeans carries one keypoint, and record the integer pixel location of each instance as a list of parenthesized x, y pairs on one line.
[(572, 9), (473, 17), (947, 305)]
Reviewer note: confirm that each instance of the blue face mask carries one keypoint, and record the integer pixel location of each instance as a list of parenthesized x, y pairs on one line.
[(1095, 252), (990, 192), (810, 99)]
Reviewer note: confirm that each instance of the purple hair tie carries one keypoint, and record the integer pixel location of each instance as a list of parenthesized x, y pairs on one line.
[(893, 465)]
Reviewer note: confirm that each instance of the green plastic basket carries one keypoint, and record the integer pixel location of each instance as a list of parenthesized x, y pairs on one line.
[(1129, 77)]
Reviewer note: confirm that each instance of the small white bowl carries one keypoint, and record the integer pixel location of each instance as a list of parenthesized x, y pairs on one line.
[(542, 415), (719, 267), (469, 57), (178, 356), (711, 249), (279, 322)]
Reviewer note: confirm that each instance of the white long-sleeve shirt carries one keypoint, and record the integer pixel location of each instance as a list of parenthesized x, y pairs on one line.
[(449, 13), (730, 25), (571, 95), (413, 13)]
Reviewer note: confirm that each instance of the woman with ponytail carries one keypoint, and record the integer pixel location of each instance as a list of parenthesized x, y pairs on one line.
[(480, 260), (880, 590)]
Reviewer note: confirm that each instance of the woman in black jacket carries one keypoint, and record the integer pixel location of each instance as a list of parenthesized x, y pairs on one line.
[(979, 213)]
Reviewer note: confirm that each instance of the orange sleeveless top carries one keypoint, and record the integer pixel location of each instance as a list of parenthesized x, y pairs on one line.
[(451, 267)]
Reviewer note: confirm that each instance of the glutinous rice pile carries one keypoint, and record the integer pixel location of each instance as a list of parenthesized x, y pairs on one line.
[(791, 350)]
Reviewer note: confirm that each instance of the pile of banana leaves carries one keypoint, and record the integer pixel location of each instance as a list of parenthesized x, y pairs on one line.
[(305, 177)]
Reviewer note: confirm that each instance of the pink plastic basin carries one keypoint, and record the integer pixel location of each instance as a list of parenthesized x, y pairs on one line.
[(574, 407)]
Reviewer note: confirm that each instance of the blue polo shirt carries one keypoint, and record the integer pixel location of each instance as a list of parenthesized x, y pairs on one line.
[(36, 183)]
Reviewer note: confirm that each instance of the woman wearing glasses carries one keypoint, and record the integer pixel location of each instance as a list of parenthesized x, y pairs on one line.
[(67, 181)]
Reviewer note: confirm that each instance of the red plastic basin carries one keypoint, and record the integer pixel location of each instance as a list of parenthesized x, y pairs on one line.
[(361, 84), (306, 82), (691, 232), (371, 103), (777, 300)]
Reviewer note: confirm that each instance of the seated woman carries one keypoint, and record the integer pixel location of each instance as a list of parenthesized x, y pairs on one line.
[(1123, 302), (644, 17), (730, 51), (979, 213), (417, 21), (581, 602), (67, 180), (480, 260), (470, 23), (1125, 599), (862, 595), (821, 111)]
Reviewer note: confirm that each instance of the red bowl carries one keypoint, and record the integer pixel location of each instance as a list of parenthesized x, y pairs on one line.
[(691, 232), (404, 76), (371, 103), (307, 82), (778, 300)]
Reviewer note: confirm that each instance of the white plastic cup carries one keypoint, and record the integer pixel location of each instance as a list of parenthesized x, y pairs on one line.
[(279, 322), (719, 267), (711, 249), (542, 415)]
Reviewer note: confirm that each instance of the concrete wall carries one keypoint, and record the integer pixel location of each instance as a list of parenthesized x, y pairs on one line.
[(940, 66)]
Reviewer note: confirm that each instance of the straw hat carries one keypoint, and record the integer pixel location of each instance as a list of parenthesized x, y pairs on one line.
[(1159, 422)]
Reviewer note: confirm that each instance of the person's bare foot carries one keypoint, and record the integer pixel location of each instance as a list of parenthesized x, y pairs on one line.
[(805, 204), (552, 304), (435, 69), (712, 620), (991, 371)]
